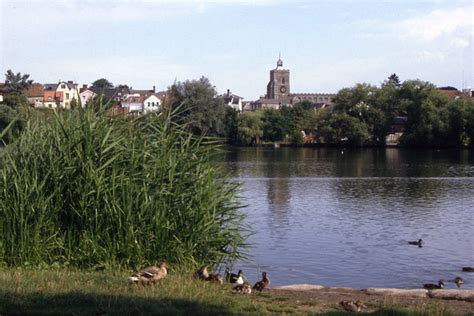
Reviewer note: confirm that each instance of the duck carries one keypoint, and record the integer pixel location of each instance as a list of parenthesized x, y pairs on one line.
[(468, 269), (260, 285), (150, 274), (236, 278), (205, 275), (243, 288), (431, 286), (352, 306), (459, 281), (418, 242)]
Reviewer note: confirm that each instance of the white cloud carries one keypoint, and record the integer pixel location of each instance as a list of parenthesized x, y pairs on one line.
[(459, 42), (438, 23), (431, 56)]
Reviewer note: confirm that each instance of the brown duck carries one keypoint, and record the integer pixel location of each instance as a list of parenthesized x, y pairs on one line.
[(352, 306), (150, 274), (260, 285), (459, 281), (205, 275), (244, 288)]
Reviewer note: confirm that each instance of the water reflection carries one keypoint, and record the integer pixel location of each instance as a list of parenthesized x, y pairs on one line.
[(343, 217)]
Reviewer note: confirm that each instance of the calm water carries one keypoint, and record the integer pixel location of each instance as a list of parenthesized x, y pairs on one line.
[(343, 217)]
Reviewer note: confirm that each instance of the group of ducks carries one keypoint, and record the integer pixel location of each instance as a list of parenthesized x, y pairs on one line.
[(240, 283), (430, 286), (153, 274)]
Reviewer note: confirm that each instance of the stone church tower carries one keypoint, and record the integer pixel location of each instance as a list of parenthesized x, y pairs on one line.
[(279, 85)]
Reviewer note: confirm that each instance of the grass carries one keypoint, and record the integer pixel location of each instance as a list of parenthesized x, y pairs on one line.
[(80, 189), (75, 292)]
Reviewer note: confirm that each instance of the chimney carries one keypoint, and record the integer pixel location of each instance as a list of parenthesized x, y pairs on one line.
[(70, 81), (84, 86), (154, 89), (228, 92)]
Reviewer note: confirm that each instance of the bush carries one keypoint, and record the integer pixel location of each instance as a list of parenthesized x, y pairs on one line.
[(84, 189)]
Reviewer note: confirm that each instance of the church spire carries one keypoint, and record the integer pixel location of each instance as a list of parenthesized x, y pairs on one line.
[(279, 62)]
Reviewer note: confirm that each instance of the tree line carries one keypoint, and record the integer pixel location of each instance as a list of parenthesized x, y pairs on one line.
[(362, 115)]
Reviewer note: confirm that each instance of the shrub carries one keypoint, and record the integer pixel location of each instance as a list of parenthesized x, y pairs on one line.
[(84, 189)]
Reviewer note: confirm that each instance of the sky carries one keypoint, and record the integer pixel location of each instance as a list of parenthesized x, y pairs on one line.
[(327, 45)]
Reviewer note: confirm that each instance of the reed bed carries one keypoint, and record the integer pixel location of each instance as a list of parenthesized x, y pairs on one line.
[(86, 190)]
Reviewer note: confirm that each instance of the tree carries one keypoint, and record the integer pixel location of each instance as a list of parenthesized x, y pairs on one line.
[(16, 83), (275, 126), (393, 80), (198, 106), (344, 129), (102, 84), (250, 128)]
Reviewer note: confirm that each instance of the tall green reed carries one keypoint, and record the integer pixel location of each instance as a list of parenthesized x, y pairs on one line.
[(85, 189)]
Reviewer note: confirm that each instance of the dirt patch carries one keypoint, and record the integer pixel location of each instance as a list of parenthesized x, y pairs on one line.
[(327, 299)]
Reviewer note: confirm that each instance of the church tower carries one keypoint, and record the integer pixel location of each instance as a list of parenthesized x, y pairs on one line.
[(279, 85)]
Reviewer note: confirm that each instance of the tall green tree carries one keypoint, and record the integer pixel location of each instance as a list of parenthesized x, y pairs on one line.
[(275, 125), (250, 128), (16, 83), (102, 83), (198, 106)]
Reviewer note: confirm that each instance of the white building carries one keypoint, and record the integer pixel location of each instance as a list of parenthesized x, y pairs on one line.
[(68, 91), (85, 96), (151, 104), (134, 103)]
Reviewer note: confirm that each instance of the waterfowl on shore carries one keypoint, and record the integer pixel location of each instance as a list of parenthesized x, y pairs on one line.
[(260, 285), (205, 275), (150, 274), (431, 286), (468, 269), (418, 242), (459, 281), (236, 278), (244, 288), (352, 306)]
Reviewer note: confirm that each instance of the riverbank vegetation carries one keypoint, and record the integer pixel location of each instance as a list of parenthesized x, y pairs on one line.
[(81, 189)]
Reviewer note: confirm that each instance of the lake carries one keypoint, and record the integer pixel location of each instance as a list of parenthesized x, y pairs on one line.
[(343, 217)]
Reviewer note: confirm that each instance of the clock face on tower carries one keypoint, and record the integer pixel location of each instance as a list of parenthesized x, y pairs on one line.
[(282, 89)]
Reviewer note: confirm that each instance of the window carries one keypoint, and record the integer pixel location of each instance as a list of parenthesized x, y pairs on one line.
[(49, 99), (63, 86), (67, 96), (283, 81), (50, 106)]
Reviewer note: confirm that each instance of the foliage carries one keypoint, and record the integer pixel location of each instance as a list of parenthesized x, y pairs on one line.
[(83, 189), (250, 127), (296, 138), (10, 125), (16, 82), (102, 84), (344, 129), (275, 125), (231, 125), (200, 108)]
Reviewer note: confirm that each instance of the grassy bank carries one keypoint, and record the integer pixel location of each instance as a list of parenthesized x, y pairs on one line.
[(71, 292)]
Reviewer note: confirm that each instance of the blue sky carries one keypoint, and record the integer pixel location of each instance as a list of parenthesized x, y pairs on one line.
[(327, 45)]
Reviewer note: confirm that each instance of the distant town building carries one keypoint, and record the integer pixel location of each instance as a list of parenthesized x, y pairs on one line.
[(34, 94), (233, 100)]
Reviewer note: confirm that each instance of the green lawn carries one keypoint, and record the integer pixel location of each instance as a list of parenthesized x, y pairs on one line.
[(66, 292)]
